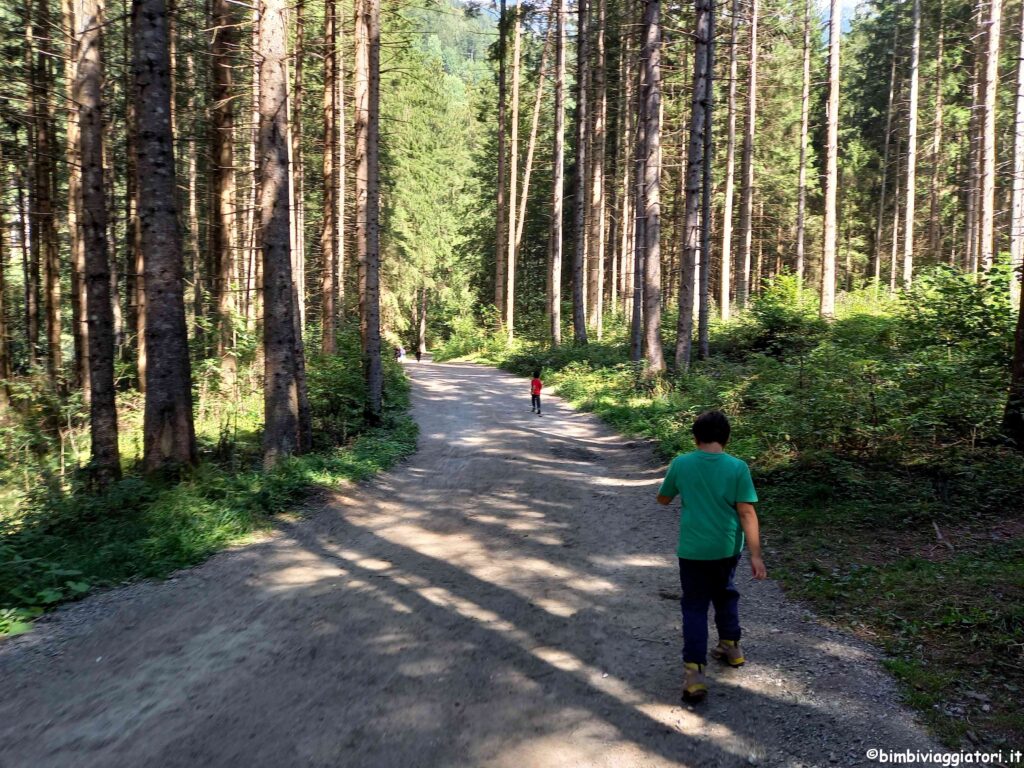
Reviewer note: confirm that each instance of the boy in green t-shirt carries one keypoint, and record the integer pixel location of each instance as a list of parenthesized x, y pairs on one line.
[(718, 500)]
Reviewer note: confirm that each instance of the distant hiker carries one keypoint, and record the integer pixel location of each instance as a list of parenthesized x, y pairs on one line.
[(398, 354), (419, 354), (718, 498), (401, 354), (536, 385)]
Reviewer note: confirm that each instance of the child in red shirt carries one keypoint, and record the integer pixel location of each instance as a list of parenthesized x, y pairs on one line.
[(535, 387)]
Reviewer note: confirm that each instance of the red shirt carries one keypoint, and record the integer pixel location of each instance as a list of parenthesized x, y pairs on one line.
[(535, 386)]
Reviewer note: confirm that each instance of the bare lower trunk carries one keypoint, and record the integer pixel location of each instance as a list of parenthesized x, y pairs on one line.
[(909, 207), (595, 247), (44, 164), (329, 233), (421, 324), (707, 192), (691, 229), (805, 110), (557, 185), (223, 214), (986, 213), (828, 250), (652, 189), (1017, 202), (106, 461), (636, 347), (502, 215), (169, 435), (509, 302), (743, 262), (282, 434), (876, 253), (934, 211), (368, 185), (579, 268)]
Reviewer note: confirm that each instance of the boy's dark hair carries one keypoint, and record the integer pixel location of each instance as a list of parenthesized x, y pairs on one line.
[(712, 427), (536, 374)]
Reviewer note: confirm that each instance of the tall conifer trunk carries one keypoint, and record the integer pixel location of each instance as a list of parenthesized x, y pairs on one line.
[(555, 240), (105, 461), (691, 230), (828, 250), (743, 262), (169, 436), (987, 212), (909, 207), (653, 353), (283, 430)]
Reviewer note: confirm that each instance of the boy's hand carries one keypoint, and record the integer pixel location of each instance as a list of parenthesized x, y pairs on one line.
[(757, 567)]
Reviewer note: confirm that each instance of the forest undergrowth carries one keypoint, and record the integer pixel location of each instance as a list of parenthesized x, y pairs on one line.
[(889, 501), (59, 540)]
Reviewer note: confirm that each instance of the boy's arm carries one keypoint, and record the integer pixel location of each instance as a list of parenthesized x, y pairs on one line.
[(748, 520), (668, 489)]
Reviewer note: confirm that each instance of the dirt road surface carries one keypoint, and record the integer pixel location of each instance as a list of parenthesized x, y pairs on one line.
[(507, 597)]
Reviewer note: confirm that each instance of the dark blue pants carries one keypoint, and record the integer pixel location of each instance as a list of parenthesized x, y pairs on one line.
[(535, 399), (705, 583)]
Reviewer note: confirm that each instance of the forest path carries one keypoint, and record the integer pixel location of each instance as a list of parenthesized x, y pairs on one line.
[(505, 598)]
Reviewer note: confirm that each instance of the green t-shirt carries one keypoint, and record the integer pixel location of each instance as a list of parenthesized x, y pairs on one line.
[(710, 485)]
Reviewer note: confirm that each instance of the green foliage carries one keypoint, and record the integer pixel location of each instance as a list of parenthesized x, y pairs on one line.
[(56, 547)]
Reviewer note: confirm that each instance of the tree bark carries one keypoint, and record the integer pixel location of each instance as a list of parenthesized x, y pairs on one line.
[(5, 351), (986, 214), (224, 207), (691, 230), (500, 234), (169, 435), (805, 111), (579, 265), (725, 267), (79, 323), (894, 245), (31, 220), (596, 236), (909, 207), (329, 233), (934, 210), (636, 347), (828, 250), (296, 175), (45, 183), (1017, 203), (282, 435), (876, 256), (421, 325), (557, 185), (652, 189), (368, 185), (743, 263), (106, 461), (706, 202), (509, 302)]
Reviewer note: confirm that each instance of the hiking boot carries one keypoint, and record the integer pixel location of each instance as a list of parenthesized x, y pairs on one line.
[(695, 688), (728, 652)]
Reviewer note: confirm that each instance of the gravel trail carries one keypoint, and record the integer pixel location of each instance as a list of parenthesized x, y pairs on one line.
[(507, 597)]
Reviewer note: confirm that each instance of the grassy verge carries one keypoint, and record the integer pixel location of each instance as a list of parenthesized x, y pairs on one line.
[(887, 502), (59, 545)]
